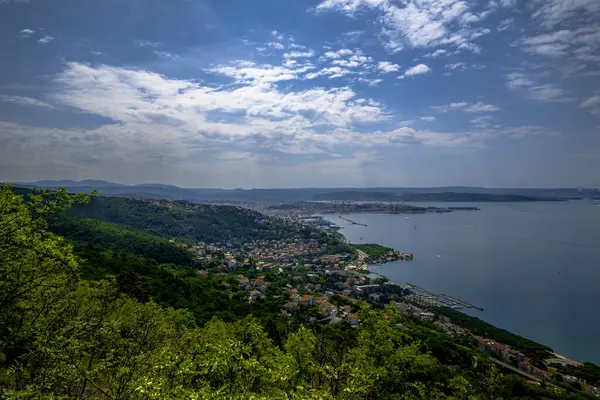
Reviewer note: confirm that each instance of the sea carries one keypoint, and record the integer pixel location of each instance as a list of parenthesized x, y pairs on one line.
[(533, 267)]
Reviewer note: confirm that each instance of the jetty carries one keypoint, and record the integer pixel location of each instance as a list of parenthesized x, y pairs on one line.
[(445, 300), (352, 222)]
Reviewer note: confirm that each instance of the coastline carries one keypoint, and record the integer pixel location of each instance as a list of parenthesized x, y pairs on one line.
[(367, 269)]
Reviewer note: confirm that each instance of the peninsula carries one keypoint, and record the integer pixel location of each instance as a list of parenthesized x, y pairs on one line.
[(306, 208)]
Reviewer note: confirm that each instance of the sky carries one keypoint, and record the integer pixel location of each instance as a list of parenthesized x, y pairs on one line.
[(299, 93)]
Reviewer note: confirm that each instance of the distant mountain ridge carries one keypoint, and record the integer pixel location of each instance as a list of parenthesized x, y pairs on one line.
[(165, 191), (435, 197)]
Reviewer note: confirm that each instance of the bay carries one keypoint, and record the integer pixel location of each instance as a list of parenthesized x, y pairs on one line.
[(533, 267)]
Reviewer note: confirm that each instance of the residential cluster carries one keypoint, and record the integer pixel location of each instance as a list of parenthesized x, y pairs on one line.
[(497, 350), (318, 277)]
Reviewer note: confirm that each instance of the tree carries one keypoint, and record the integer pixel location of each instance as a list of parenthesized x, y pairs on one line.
[(37, 268)]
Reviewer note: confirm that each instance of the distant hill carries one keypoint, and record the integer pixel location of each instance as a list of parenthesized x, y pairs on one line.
[(71, 184), (180, 220), (441, 197), (164, 191)]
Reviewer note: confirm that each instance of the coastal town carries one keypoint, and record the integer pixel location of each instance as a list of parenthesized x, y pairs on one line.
[(328, 285)]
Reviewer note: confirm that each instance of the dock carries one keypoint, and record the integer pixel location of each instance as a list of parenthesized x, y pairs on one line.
[(352, 222), (441, 299)]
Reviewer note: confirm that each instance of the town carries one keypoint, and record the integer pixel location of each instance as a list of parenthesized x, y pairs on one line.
[(329, 285)]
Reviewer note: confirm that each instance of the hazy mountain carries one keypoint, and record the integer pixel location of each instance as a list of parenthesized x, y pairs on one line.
[(157, 190)]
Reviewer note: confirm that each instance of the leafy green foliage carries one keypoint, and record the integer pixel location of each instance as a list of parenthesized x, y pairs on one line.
[(588, 371), (374, 251), (535, 350), (179, 219), (112, 335), (106, 235), (205, 296)]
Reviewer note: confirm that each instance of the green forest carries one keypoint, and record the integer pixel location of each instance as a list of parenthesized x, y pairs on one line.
[(99, 314), (373, 251), (181, 219)]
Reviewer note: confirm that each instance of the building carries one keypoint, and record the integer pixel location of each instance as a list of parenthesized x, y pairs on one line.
[(307, 300), (525, 366), (254, 295), (369, 288), (231, 264), (352, 319), (326, 308), (441, 326)]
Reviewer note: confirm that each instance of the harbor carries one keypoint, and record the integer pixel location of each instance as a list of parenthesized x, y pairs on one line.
[(424, 296), (352, 222)]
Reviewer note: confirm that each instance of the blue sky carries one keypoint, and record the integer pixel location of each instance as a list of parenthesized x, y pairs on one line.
[(296, 93)]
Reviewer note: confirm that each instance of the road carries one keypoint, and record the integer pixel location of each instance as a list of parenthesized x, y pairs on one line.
[(522, 373), (517, 370)]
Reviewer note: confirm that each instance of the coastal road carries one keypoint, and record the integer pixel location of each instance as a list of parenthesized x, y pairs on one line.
[(518, 371), (522, 373)]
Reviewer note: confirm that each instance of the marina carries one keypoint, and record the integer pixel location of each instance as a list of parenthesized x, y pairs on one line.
[(352, 222), (425, 296)]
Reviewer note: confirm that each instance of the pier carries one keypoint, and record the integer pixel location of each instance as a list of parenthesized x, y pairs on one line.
[(441, 299), (352, 222)]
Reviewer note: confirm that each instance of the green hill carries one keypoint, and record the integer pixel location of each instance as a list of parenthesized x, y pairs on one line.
[(84, 323), (107, 235), (180, 219)]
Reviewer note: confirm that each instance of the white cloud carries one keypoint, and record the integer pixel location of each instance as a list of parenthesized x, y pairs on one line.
[(481, 121), (467, 107), (455, 66), (553, 12), (25, 33), (276, 45), (437, 53), (234, 156), (386, 66), (299, 54), (417, 23), (370, 82), (246, 72), (416, 70), (593, 103), (338, 54), (549, 44), (346, 63), (164, 109), (548, 92), (24, 101), (146, 43), (505, 24), (360, 58), (277, 35), (46, 39), (165, 54), (353, 34), (537, 91), (331, 73), (427, 118), (296, 46), (517, 80), (349, 6), (582, 44)]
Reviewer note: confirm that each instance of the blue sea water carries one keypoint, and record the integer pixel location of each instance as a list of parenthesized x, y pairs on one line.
[(533, 267)]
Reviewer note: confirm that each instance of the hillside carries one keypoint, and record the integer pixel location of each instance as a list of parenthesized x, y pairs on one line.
[(96, 321), (183, 220), (111, 236)]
